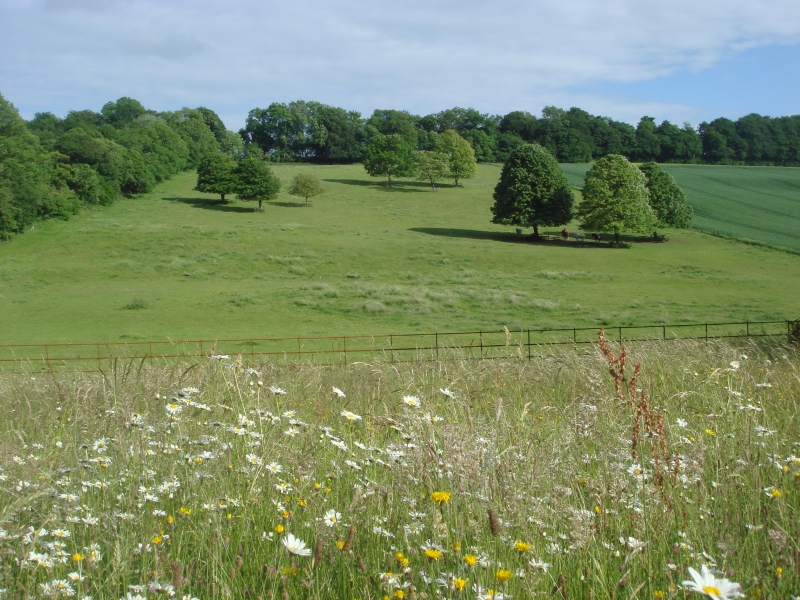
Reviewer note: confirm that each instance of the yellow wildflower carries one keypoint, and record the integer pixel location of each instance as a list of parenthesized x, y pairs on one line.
[(503, 575), (471, 560), (440, 497)]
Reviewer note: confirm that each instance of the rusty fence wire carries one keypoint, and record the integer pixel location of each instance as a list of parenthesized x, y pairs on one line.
[(100, 356)]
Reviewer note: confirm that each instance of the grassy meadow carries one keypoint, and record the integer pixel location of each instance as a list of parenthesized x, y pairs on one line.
[(176, 264), (752, 203), (430, 479)]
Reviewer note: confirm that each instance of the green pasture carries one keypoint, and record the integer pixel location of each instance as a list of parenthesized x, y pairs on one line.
[(176, 264), (753, 203)]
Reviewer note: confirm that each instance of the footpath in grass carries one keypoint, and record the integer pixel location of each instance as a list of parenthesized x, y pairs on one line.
[(451, 479), (753, 203), (177, 264)]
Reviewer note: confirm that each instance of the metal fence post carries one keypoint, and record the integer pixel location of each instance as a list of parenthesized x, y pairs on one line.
[(529, 344)]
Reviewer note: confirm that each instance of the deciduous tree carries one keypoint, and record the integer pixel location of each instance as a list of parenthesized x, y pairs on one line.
[(256, 181), (666, 198), (615, 198), (431, 167), (306, 186), (389, 156), (215, 175), (461, 156), (533, 191)]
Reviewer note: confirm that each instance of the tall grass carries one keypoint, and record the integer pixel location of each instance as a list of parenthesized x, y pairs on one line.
[(460, 479)]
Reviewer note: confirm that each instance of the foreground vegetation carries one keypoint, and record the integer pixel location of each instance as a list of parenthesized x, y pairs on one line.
[(451, 479)]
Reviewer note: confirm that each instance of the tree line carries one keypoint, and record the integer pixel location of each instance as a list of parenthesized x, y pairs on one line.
[(52, 167), (312, 131)]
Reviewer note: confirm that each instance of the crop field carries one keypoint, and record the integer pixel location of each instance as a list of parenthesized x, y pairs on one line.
[(177, 264), (442, 479), (753, 203)]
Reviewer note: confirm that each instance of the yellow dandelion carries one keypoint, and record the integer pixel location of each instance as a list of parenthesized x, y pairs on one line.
[(279, 529), (658, 594), (157, 539), (456, 546), (185, 511), (502, 575), (460, 583), (340, 544), (170, 519), (471, 560), (399, 594), (440, 497), (521, 546), (77, 557), (401, 559), (433, 553)]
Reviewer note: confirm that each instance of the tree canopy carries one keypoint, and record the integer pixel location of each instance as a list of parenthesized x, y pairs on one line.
[(533, 191), (462, 163), (215, 175), (431, 166), (306, 185), (666, 197), (388, 156), (615, 198), (255, 181)]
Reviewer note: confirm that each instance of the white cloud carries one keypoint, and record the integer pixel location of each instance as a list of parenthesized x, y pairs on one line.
[(419, 55)]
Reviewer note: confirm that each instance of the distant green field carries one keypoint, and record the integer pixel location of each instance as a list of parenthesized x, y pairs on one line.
[(755, 203), (364, 259)]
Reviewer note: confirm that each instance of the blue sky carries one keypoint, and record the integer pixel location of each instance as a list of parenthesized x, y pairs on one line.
[(686, 60)]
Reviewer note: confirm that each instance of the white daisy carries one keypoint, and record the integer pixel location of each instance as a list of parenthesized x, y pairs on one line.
[(332, 518), (338, 392), (350, 416), (412, 401), (706, 583), (295, 546)]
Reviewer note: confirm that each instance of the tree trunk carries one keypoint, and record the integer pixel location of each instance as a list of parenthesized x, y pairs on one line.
[(260, 205), (536, 231), (306, 200), (390, 180), (223, 198), (616, 237), (456, 181)]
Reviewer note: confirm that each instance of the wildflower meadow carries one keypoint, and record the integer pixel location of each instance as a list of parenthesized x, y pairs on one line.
[(664, 470)]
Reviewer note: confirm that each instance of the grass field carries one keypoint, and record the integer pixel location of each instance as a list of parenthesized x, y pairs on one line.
[(459, 479), (364, 259), (754, 203)]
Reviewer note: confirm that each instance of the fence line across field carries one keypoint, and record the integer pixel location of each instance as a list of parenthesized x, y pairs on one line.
[(95, 356)]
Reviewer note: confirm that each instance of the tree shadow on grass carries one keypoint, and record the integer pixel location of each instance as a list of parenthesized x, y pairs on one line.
[(397, 186), (290, 204), (212, 204), (551, 240)]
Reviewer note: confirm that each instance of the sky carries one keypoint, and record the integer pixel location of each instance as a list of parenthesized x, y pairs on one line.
[(682, 60)]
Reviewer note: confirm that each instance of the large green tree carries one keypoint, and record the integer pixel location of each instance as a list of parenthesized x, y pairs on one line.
[(255, 181), (388, 156), (461, 155), (615, 198), (215, 175), (533, 191), (666, 197)]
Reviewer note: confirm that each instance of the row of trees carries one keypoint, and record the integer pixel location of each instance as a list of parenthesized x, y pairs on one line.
[(618, 196), (311, 131), (451, 157), (51, 167), (250, 178)]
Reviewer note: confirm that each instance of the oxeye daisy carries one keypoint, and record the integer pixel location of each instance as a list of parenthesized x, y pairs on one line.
[(295, 546), (350, 416), (332, 518), (412, 401), (338, 392), (706, 583)]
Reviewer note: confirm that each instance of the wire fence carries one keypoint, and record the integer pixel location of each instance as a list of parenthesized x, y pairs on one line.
[(327, 350)]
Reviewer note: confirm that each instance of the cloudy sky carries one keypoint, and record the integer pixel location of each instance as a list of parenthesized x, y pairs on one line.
[(682, 60)]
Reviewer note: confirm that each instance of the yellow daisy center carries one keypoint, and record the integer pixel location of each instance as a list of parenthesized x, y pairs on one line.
[(711, 590)]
